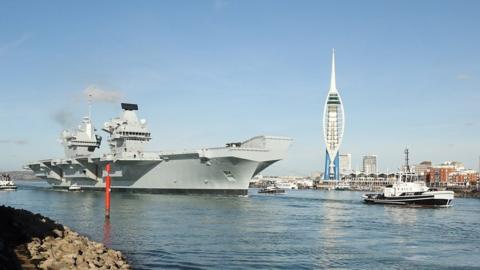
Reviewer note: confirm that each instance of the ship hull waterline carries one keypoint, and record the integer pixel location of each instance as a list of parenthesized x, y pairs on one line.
[(223, 176), (414, 201)]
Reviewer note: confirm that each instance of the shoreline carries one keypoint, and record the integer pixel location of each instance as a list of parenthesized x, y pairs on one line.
[(467, 194), (32, 241)]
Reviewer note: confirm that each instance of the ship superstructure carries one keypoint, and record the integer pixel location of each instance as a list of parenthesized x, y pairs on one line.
[(81, 142), (224, 170), (128, 134)]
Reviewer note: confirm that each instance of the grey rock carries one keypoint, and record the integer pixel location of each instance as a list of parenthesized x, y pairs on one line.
[(58, 232)]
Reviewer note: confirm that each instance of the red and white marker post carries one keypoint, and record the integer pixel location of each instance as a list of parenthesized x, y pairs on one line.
[(107, 191)]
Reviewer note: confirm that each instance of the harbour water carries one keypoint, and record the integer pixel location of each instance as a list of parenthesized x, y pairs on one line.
[(306, 229)]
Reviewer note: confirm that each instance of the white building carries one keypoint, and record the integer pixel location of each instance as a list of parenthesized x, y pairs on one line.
[(370, 164), (345, 163)]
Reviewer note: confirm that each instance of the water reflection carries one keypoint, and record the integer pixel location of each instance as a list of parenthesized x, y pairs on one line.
[(335, 219), (401, 215), (106, 232)]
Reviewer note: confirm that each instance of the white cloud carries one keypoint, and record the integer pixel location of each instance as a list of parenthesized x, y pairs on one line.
[(463, 77), (4, 48), (96, 94), (219, 4), (19, 142)]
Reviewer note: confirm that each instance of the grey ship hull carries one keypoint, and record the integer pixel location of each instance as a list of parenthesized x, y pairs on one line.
[(223, 170)]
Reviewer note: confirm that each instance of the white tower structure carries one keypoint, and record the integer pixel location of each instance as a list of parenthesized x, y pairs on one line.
[(333, 127)]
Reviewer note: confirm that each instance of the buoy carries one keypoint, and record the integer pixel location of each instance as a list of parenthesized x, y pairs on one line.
[(107, 191)]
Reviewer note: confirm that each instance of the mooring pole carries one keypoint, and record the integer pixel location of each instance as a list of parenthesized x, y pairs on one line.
[(107, 191)]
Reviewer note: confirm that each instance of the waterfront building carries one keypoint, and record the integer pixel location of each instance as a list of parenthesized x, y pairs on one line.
[(285, 182), (456, 164), (373, 181), (451, 174), (333, 127), (463, 178), (422, 169), (370, 164), (438, 176), (316, 175), (345, 163)]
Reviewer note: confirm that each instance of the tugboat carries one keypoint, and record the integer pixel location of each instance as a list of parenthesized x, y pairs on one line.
[(6, 182), (408, 190)]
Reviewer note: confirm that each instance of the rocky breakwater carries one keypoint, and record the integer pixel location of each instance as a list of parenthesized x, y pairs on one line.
[(32, 241)]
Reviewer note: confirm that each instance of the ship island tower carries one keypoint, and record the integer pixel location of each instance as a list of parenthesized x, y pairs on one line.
[(333, 127)]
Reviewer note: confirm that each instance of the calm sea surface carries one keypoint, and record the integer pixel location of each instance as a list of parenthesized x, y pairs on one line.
[(300, 230)]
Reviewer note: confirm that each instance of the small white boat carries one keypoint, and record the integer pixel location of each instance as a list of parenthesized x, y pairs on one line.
[(6, 183), (272, 190), (74, 187), (342, 186)]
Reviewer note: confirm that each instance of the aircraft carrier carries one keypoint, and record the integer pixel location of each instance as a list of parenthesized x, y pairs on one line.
[(220, 170)]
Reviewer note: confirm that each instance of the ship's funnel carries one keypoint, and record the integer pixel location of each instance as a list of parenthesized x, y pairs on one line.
[(129, 107)]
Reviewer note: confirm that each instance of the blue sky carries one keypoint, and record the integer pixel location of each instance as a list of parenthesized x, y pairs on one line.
[(208, 72)]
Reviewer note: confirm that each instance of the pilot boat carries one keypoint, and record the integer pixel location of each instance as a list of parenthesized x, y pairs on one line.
[(411, 193), (409, 190)]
